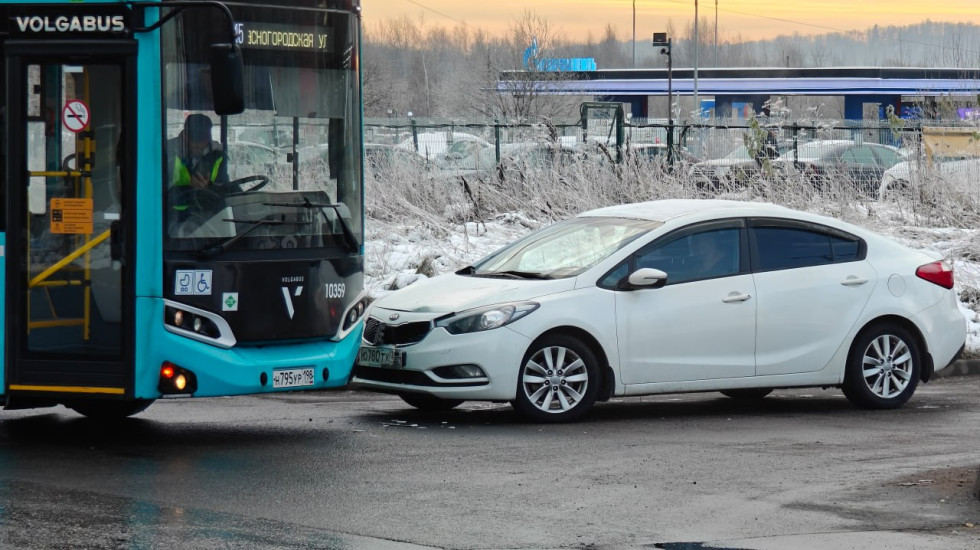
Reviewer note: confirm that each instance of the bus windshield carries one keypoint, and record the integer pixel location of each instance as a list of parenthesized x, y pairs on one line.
[(285, 173)]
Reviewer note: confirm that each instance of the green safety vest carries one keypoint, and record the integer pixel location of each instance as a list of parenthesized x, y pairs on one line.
[(182, 176)]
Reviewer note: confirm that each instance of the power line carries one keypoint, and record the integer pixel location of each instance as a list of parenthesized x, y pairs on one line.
[(437, 12), (828, 28)]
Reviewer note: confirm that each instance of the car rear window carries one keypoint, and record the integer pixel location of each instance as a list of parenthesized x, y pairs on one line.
[(787, 247)]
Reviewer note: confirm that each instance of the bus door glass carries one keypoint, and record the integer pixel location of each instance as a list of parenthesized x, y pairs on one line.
[(69, 277)]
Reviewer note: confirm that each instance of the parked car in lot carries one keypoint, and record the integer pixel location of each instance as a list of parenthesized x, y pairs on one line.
[(859, 164), (731, 171), (657, 153), (477, 160), (956, 177), (669, 296), (382, 159)]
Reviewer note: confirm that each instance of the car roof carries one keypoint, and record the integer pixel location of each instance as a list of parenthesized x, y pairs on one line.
[(664, 210)]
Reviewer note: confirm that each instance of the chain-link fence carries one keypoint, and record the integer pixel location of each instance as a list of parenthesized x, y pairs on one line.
[(433, 138), (571, 165)]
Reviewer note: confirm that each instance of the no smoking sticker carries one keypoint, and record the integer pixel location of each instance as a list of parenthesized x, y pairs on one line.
[(75, 115)]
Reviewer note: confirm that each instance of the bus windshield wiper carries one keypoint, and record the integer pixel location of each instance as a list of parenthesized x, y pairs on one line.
[(349, 239), (515, 274), (215, 249)]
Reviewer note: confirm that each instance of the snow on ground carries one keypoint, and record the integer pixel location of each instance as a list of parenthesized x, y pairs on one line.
[(398, 254)]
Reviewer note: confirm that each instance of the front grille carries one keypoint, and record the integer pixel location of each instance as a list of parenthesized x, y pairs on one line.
[(378, 333)]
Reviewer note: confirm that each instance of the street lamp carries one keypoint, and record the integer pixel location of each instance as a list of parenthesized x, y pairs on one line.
[(660, 39)]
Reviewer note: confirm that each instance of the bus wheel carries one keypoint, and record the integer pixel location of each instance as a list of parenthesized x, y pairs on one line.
[(110, 410)]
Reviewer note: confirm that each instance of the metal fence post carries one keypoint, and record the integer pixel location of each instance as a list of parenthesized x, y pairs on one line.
[(796, 146), (496, 139), (415, 135), (620, 134)]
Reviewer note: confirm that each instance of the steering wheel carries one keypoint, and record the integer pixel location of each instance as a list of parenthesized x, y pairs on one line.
[(235, 186)]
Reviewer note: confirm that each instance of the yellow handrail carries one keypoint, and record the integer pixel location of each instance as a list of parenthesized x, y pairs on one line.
[(69, 258), (56, 174)]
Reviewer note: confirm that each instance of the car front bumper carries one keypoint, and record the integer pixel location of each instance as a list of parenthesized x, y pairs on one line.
[(498, 353)]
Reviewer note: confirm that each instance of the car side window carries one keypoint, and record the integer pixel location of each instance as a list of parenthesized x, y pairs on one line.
[(784, 247), (861, 154), (694, 256), (888, 157)]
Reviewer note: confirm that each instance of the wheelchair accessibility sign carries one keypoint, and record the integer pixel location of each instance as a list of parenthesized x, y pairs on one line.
[(189, 282)]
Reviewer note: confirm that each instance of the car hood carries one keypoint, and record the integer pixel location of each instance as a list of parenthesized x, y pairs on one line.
[(724, 162), (451, 292)]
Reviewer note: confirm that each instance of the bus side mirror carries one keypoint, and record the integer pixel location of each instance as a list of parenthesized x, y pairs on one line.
[(227, 79)]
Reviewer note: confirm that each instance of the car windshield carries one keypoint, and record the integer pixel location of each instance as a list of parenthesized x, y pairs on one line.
[(816, 150), (740, 153), (564, 249)]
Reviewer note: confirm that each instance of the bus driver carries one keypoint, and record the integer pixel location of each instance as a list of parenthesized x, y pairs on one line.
[(195, 161)]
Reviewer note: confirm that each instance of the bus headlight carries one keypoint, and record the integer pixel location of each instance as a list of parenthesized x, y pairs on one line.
[(355, 313)]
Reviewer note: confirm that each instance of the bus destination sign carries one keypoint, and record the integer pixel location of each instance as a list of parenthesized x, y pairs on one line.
[(271, 36)]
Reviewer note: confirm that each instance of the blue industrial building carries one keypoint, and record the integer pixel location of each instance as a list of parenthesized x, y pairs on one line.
[(733, 87)]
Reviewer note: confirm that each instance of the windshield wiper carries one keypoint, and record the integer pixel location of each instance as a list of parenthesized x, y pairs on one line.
[(515, 274), (215, 249), (349, 238), (468, 270)]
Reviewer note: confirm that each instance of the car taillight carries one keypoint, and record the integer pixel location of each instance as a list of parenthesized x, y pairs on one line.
[(938, 273)]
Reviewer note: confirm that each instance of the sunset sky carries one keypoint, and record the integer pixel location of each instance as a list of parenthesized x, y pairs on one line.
[(752, 19)]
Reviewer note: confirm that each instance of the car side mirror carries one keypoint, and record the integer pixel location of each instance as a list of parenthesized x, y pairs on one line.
[(227, 79), (645, 278)]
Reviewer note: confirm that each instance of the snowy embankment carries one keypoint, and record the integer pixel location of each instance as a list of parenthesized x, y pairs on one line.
[(423, 225)]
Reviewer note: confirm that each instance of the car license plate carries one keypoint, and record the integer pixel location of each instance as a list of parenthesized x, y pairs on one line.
[(292, 378), (380, 357)]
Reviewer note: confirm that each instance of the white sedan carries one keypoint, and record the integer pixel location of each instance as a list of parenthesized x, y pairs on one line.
[(669, 296)]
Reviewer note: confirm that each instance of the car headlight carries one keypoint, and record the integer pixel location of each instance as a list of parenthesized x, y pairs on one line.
[(485, 318)]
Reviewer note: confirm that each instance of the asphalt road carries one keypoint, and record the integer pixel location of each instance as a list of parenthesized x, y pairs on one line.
[(339, 470)]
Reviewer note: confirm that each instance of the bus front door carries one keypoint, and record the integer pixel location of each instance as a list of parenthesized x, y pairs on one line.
[(70, 127)]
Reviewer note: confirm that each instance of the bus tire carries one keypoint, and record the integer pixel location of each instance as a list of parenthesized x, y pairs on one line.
[(110, 410)]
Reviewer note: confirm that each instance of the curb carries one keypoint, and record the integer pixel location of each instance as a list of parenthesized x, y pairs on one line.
[(963, 367)]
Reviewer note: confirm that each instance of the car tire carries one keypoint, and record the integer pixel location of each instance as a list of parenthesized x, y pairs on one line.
[(747, 394), (883, 367), (424, 402), (110, 410), (558, 380), (898, 190)]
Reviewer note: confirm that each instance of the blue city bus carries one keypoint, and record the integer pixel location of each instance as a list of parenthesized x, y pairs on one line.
[(128, 278)]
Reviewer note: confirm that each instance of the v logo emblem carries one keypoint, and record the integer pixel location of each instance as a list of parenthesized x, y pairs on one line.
[(289, 299)]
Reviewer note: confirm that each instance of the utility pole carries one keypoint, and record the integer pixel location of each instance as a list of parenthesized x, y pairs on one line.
[(634, 34), (661, 39), (716, 34), (697, 103)]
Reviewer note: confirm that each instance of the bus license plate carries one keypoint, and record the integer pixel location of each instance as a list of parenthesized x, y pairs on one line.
[(292, 378), (379, 357)]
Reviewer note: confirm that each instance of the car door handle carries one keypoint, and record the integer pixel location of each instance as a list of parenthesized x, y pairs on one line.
[(736, 297), (853, 281)]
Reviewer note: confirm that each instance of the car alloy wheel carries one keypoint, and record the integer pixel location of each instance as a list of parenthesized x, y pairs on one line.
[(558, 381), (883, 368)]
